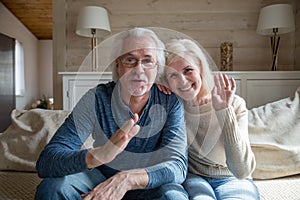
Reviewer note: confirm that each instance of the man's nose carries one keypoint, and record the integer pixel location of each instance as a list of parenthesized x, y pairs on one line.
[(139, 68)]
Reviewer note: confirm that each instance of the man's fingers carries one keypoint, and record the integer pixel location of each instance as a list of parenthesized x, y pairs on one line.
[(134, 131), (129, 124), (127, 131), (86, 196), (135, 118)]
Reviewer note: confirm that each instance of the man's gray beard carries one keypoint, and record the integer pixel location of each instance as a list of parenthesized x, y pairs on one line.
[(136, 94)]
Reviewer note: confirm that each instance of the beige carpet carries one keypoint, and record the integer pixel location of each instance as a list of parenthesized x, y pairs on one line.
[(18, 185), (287, 188)]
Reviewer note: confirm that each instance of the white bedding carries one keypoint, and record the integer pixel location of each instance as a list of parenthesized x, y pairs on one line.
[(274, 131)]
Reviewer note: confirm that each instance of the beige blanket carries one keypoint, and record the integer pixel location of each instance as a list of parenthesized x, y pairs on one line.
[(274, 131), (30, 131)]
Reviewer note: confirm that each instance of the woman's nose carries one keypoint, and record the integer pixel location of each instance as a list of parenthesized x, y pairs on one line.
[(182, 79)]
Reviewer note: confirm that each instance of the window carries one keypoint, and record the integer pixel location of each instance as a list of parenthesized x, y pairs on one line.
[(19, 69)]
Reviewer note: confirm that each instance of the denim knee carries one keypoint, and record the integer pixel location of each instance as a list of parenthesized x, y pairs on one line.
[(172, 191), (55, 188), (70, 186)]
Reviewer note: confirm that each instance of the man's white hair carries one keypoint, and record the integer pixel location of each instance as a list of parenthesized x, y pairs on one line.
[(136, 33)]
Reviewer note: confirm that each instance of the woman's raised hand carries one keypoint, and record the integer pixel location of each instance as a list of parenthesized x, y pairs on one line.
[(223, 91)]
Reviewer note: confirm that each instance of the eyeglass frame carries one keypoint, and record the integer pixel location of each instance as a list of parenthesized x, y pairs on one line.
[(133, 65)]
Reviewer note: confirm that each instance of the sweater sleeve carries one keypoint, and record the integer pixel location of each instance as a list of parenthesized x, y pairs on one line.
[(234, 124), (172, 151), (62, 155)]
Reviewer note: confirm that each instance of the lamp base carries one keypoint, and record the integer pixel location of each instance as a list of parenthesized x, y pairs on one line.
[(94, 52), (275, 39)]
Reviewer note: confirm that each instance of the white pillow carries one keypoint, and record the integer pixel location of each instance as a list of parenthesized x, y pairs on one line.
[(22, 142), (274, 132)]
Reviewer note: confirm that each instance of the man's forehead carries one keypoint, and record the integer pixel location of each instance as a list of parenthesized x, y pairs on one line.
[(141, 52), (138, 45)]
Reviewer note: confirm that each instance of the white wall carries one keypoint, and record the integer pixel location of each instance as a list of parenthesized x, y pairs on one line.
[(45, 68), (37, 59), (11, 26)]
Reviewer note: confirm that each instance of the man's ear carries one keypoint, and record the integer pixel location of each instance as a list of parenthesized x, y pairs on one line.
[(117, 63)]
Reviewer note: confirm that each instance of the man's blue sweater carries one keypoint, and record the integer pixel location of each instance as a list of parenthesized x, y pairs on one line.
[(160, 147)]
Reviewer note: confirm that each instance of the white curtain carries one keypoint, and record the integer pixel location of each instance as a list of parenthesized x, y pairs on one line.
[(19, 69)]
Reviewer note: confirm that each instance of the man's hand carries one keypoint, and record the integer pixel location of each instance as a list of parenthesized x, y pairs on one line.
[(113, 188), (223, 92), (116, 186), (114, 146)]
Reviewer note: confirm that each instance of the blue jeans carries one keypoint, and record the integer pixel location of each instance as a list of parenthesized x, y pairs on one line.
[(72, 186), (203, 188)]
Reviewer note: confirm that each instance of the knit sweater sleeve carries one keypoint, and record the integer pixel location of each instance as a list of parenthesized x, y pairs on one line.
[(234, 124), (171, 153), (62, 155)]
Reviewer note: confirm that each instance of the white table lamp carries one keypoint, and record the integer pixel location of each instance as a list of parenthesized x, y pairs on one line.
[(93, 22), (274, 20)]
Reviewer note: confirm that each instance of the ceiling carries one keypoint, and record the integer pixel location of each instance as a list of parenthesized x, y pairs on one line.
[(36, 15)]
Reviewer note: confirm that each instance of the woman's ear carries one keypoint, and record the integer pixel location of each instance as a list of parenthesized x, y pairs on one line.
[(201, 75), (200, 68)]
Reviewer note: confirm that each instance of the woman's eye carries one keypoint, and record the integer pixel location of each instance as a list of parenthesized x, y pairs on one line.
[(173, 76), (187, 70)]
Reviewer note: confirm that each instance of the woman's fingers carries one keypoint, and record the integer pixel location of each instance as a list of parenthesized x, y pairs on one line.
[(164, 89), (217, 84), (233, 85), (226, 81), (222, 82)]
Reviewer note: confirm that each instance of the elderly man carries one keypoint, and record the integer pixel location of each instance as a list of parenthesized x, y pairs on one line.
[(140, 140)]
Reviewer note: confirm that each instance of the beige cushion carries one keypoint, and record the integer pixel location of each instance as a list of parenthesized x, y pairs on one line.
[(22, 142)]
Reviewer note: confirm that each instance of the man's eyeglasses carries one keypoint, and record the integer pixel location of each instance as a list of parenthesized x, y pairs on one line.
[(131, 62)]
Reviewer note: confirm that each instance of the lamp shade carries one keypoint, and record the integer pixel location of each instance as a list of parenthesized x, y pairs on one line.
[(279, 16), (93, 17)]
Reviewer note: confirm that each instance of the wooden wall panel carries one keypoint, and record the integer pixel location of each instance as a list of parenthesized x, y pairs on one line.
[(59, 50), (208, 22), (297, 37)]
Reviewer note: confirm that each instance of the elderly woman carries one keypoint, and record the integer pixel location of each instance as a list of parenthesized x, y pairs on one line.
[(220, 157)]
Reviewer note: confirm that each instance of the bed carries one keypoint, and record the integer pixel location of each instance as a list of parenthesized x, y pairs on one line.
[(274, 131)]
